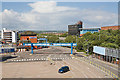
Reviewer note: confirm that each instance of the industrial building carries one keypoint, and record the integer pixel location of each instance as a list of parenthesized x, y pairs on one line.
[(107, 54), (74, 29), (110, 27), (85, 30), (28, 37), (9, 36), (7, 49)]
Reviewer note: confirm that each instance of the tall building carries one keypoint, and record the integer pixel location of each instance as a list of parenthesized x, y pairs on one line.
[(9, 35), (74, 29)]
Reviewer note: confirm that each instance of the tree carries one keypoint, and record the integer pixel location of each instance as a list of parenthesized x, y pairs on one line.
[(117, 41), (109, 45), (64, 35), (53, 39), (70, 39), (79, 44)]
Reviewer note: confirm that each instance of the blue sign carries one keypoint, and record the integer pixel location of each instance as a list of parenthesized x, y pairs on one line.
[(42, 39), (50, 44), (99, 50), (33, 37)]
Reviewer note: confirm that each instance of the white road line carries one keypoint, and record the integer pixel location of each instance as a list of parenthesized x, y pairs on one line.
[(93, 66), (70, 70), (88, 69), (76, 68)]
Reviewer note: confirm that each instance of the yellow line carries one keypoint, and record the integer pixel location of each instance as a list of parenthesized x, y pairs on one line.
[(104, 69)]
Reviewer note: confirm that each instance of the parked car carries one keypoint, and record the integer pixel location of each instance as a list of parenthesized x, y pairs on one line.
[(63, 69), (39, 47)]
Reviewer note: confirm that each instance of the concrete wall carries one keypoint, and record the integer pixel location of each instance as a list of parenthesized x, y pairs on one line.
[(14, 36)]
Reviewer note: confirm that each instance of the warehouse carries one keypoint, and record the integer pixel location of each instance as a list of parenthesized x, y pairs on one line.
[(107, 54)]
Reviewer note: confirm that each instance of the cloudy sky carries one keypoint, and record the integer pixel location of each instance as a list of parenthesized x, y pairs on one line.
[(50, 15)]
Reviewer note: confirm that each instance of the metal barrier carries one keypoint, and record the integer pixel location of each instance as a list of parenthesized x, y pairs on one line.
[(100, 67)]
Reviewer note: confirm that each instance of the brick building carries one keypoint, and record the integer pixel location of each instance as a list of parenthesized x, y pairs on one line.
[(28, 37), (110, 27)]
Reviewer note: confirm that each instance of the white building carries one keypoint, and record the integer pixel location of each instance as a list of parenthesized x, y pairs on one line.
[(9, 35)]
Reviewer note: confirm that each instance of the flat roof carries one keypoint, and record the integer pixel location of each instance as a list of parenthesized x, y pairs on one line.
[(88, 28), (112, 26)]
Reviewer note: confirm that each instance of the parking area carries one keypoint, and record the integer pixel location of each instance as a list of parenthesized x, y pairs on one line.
[(43, 69)]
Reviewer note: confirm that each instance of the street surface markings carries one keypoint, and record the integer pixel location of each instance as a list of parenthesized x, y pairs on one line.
[(104, 70), (76, 69), (62, 64), (77, 63)]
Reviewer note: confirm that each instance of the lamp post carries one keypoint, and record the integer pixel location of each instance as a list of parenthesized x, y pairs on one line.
[(99, 37), (87, 47)]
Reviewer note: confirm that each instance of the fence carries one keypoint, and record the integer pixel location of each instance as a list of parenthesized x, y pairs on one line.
[(100, 67)]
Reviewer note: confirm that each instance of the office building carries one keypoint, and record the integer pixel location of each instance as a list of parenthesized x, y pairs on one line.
[(9, 36), (74, 29)]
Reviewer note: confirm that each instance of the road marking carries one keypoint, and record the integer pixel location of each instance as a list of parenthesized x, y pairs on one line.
[(98, 66), (87, 68), (77, 69)]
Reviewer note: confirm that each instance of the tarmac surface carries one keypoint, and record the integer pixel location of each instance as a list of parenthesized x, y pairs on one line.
[(43, 69), (38, 65), (111, 67)]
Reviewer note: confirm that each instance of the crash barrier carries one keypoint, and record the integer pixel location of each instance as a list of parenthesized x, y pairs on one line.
[(100, 67)]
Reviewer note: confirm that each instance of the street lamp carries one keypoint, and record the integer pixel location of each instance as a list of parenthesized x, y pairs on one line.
[(87, 47), (99, 37)]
